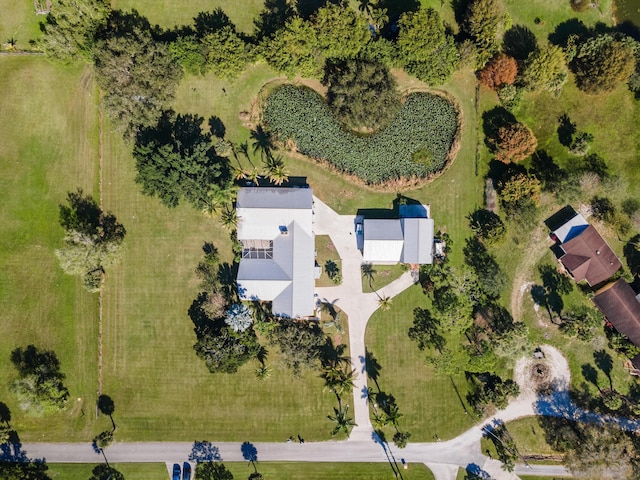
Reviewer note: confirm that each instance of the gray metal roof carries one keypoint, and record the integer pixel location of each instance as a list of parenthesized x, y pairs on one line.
[(418, 240), (382, 229), (274, 197)]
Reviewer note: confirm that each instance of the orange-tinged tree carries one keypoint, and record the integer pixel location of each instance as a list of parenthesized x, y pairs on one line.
[(515, 142), (501, 70)]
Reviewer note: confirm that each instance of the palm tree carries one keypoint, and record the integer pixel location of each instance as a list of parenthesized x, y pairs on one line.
[(279, 175), (343, 423), (228, 218), (379, 18), (384, 302), (262, 142), (274, 169), (339, 381), (365, 6), (379, 420), (393, 414), (368, 272), (263, 372), (102, 441), (254, 176), (240, 173)]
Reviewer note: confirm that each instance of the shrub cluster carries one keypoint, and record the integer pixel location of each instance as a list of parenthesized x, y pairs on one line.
[(426, 123)]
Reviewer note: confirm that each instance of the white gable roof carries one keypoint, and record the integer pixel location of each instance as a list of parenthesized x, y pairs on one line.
[(383, 241), (408, 239), (284, 216)]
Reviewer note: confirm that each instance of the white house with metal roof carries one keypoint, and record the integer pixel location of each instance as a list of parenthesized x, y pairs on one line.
[(275, 227), (408, 239)]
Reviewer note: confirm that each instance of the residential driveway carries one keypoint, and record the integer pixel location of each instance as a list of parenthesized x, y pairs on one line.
[(349, 297)]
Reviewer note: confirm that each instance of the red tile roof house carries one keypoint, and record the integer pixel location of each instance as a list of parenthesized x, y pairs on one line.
[(582, 251), (620, 305)]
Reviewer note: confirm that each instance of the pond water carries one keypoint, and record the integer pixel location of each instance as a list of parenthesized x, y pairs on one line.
[(628, 11)]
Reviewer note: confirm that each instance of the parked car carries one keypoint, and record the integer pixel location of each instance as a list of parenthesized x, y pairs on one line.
[(176, 471), (186, 471)]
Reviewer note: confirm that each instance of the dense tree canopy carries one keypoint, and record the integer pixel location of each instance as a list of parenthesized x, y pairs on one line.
[(341, 32), (602, 62), (362, 93), (299, 342), (427, 50), (136, 71), (39, 387), (545, 69), (92, 239), (176, 161), (482, 23), (601, 451), (293, 49), (70, 27)]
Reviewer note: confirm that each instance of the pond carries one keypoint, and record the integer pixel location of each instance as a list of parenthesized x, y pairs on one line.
[(628, 11)]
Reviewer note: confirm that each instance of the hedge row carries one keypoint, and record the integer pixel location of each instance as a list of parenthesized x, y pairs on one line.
[(426, 123)]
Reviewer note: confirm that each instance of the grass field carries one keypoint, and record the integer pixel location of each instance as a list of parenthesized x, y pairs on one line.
[(428, 402), (47, 147), (270, 470), (19, 22), (326, 250), (169, 14), (381, 276), (160, 388)]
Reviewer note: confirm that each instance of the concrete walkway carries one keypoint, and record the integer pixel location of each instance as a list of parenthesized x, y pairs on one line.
[(357, 305)]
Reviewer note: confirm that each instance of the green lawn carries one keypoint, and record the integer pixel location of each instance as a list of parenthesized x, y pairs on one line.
[(169, 14), (326, 250), (428, 402), (160, 388), (47, 147), (131, 471), (270, 470), (529, 437), (381, 276), (19, 21)]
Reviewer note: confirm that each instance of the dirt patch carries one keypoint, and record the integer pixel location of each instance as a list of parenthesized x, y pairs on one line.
[(535, 249)]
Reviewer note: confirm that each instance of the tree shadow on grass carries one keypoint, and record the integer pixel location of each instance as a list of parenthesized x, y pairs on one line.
[(210, 22), (307, 8), (605, 363), (564, 30), (371, 366), (632, 254), (107, 407), (272, 18), (566, 130), (5, 413), (519, 41), (492, 121)]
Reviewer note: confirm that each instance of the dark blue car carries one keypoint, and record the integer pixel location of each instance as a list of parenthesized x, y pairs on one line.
[(186, 471), (176, 471)]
